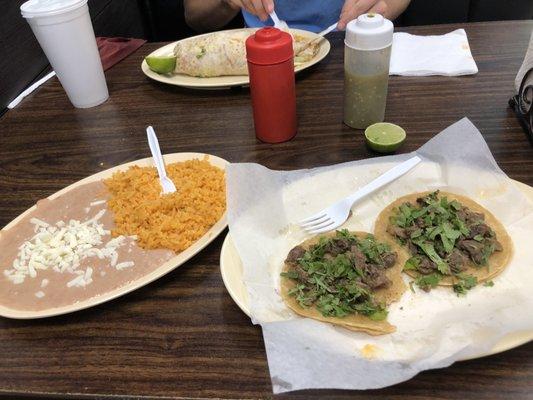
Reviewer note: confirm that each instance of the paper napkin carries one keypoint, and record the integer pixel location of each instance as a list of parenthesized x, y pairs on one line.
[(447, 55)]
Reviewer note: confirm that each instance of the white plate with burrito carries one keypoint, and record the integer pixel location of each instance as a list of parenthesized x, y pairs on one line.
[(223, 54)]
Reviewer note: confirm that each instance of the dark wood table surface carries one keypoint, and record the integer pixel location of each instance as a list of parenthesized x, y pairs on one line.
[(182, 336)]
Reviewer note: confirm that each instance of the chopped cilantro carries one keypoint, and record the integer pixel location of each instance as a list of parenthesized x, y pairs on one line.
[(466, 282), (378, 315), (488, 284), (427, 282), (478, 238), (429, 250), (334, 283), (290, 274), (412, 264), (438, 233), (455, 205)]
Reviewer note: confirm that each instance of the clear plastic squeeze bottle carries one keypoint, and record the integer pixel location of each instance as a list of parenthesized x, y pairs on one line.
[(367, 52)]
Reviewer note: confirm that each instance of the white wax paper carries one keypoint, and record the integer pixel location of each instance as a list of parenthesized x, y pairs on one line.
[(433, 329)]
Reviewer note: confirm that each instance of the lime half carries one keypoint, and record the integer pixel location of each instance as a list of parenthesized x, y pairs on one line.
[(384, 137), (161, 65)]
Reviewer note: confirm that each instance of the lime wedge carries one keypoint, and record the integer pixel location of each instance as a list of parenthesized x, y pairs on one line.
[(161, 65), (384, 137)]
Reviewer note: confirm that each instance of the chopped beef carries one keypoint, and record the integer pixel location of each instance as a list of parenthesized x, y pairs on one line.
[(328, 257), (375, 277), (420, 222), (439, 248), (410, 230), (342, 244), (461, 214), (457, 261), (389, 259), (426, 266), (358, 256), (479, 229), (362, 285), (303, 276), (497, 245), (397, 231), (296, 253), (473, 248), (338, 246), (413, 249), (470, 217)]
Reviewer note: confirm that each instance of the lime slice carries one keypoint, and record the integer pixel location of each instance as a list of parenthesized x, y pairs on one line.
[(384, 137), (161, 65)]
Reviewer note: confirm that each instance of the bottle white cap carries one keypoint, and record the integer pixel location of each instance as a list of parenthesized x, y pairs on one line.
[(40, 8), (369, 32)]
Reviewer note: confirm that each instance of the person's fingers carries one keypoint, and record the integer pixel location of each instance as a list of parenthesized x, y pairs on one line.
[(380, 8), (243, 4), (352, 9), (260, 9), (268, 5)]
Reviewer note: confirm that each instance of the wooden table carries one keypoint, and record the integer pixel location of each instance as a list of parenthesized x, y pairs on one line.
[(182, 336)]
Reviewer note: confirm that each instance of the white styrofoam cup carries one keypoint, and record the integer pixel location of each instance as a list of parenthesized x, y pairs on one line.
[(64, 30)]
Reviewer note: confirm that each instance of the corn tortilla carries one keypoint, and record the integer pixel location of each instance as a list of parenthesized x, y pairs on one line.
[(497, 261), (354, 322)]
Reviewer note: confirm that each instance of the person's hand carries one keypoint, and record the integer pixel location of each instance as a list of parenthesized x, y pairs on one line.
[(354, 8), (261, 8)]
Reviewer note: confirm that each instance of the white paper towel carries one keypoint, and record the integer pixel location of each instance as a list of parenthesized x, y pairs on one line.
[(448, 55), (433, 329)]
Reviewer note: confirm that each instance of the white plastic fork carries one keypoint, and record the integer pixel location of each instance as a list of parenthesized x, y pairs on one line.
[(335, 215), (328, 30), (319, 36), (167, 185), (278, 23)]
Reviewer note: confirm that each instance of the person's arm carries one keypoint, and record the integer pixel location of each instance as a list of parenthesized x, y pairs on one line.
[(390, 9), (395, 8), (203, 15)]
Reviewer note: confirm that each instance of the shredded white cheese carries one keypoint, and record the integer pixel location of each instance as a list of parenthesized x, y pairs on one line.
[(61, 247), (126, 264), (97, 203), (39, 294)]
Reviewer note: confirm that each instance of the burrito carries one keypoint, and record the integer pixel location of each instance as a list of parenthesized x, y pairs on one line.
[(224, 53)]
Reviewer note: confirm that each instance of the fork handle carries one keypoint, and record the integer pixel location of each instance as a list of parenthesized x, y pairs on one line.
[(384, 179), (319, 37), (274, 17), (328, 29), (156, 152)]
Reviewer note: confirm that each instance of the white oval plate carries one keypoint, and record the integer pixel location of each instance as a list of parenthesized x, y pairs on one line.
[(232, 275), (170, 265), (219, 82)]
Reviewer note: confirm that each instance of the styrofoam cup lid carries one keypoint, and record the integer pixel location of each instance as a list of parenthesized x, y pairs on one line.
[(369, 32), (41, 8)]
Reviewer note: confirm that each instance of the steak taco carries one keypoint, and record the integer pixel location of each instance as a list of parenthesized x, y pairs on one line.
[(344, 278), (448, 239)]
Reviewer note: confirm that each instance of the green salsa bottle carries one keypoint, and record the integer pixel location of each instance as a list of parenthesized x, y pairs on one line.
[(367, 52)]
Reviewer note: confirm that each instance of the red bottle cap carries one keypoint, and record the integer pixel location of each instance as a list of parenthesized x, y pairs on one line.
[(269, 46)]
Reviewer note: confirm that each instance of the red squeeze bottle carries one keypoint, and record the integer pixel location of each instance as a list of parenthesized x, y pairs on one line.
[(271, 68)]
